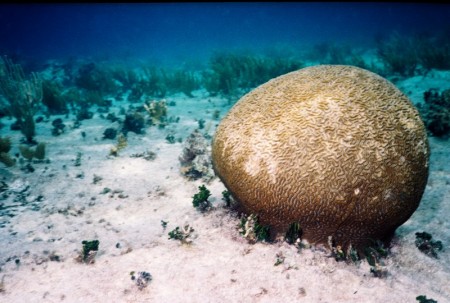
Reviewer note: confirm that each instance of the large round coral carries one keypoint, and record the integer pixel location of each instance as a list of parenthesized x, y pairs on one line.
[(335, 148)]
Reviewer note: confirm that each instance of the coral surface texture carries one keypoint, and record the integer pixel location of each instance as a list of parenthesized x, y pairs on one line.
[(335, 148)]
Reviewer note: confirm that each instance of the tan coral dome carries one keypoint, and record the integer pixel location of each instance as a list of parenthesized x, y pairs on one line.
[(336, 148)]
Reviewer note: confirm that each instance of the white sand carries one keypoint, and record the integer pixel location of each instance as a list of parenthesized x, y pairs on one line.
[(219, 266)]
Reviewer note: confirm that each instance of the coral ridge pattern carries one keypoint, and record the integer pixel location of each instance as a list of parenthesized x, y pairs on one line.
[(336, 148)]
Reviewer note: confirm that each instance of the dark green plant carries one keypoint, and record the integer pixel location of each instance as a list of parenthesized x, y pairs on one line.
[(399, 54), (201, 123), (226, 196), (96, 179), (435, 57), (96, 78), (231, 74), (435, 112), (353, 255), (112, 117), (262, 232), (53, 98), (434, 50), (83, 113), (337, 252), (89, 251), (175, 234), (58, 127), (164, 224), (170, 139), (153, 84), (182, 234), (134, 122), (223, 76), (110, 133), (252, 230), (78, 159), (216, 114), (95, 98), (105, 191), (200, 199), (137, 91), (180, 81), (73, 98), (428, 246), (374, 253), (125, 75), (24, 95), (294, 233), (423, 299), (329, 53)]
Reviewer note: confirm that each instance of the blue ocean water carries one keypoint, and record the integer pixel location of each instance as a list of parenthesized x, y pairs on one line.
[(183, 31)]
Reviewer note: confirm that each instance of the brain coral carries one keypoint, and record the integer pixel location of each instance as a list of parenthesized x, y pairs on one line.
[(335, 148)]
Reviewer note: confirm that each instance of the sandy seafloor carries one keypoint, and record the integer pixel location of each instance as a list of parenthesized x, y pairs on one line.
[(58, 206)]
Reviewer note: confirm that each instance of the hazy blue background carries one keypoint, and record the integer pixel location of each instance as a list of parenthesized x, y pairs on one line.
[(181, 31)]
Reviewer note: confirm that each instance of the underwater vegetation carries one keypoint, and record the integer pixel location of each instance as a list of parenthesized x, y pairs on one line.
[(182, 81), (332, 53), (82, 86), (435, 112), (200, 200), (134, 122), (94, 78), (88, 252), (252, 230), (231, 74), (141, 279), (159, 82), (53, 98), (406, 55), (434, 50), (183, 234), (428, 246), (24, 94), (226, 196), (110, 133), (294, 233), (423, 299), (402, 62), (58, 127)]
